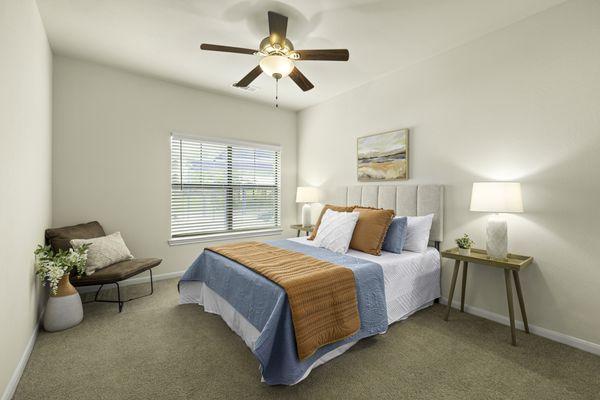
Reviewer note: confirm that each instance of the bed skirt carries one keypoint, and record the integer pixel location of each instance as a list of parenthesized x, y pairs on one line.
[(196, 292)]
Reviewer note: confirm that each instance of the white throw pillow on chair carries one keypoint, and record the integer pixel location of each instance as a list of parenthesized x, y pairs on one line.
[(103, 251), (335, 230)]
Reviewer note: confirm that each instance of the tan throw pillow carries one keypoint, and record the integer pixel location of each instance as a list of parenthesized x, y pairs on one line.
[(370, 229), (325, 208), (103, 251)]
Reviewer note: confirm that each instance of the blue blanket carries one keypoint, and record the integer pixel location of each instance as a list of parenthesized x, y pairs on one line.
[(264, 304)]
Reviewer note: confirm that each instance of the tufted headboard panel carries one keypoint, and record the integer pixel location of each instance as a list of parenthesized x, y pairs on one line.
[(408, 200)]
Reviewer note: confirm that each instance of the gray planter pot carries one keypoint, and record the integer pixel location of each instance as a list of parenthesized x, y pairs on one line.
[(63, 310)]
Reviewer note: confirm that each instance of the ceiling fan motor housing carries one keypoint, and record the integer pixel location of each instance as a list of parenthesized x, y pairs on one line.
[(268, 48)]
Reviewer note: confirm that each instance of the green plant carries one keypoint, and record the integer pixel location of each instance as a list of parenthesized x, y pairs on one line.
[(51, 266), (464, 242)]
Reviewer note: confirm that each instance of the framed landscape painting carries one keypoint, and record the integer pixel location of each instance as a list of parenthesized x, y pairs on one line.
[(383, 156)]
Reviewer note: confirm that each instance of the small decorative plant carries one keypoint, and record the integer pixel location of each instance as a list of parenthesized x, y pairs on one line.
[(464, 242), (51, 266)]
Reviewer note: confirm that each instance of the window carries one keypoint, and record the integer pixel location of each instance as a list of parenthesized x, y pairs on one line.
[(220, 187)]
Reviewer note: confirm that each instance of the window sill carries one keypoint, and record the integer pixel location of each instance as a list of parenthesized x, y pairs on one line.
[(223, 236)]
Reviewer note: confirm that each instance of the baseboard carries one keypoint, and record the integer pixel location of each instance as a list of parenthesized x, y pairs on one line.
[(572, 341), (10, 389), (136, 280)]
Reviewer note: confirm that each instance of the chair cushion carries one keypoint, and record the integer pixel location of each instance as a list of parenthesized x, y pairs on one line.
[(60, 238), (117, 272)]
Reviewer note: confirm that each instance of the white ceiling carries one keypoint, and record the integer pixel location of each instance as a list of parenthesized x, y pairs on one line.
[(161, 38)]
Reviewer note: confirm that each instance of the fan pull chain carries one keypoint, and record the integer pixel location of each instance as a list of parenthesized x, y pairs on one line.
[(276, 93)]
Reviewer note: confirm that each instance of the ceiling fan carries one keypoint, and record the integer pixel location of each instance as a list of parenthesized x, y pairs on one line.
[(278, 55)]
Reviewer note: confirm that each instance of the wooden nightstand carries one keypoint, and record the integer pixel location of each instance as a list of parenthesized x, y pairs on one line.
[(514, 263), (300, 228)]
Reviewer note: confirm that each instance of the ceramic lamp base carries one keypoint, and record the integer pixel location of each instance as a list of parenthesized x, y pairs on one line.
[(497, 237), (306, 219)]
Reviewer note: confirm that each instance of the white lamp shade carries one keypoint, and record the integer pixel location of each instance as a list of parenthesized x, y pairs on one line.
[(307, 194), (272, 65), (497, 197)]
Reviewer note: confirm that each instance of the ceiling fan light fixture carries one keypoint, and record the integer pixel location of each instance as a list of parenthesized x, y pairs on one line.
[(276, 66)]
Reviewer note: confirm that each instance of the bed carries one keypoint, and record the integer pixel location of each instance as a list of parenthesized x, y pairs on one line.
[(390, 287)]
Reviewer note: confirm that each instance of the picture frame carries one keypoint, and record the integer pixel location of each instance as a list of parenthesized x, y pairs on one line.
[(383, 156)]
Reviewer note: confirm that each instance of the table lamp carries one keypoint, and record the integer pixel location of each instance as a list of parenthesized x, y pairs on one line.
[(306, 195), (497, 197)]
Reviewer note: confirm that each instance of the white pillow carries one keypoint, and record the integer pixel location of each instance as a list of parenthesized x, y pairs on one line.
[(335, 231), (103, 251), (417, 233)]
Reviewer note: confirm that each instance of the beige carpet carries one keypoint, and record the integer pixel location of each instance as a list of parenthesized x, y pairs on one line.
[(157, 349)]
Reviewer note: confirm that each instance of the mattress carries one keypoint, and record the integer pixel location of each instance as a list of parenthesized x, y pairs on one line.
[(411, 282), (410, 279)]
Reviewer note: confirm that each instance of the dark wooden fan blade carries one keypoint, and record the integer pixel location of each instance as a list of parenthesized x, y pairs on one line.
[(277, 27), (226, 49), (323, 55), (252, 75), (301, 80)]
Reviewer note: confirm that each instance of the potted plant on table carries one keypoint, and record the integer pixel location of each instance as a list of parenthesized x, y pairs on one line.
[(464, 245), (64, 309)]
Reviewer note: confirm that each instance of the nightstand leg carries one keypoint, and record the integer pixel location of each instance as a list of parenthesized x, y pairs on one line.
[(511, 311), (521, 301), (464, 286), (452, 286), (298, 233)]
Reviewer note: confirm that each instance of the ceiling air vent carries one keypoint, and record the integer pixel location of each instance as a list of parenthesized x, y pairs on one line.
[(249, 88)]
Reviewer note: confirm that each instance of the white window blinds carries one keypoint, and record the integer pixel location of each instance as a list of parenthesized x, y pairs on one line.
[(220, 187)]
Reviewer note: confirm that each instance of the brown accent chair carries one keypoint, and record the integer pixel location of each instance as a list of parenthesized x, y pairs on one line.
[(60, 238)]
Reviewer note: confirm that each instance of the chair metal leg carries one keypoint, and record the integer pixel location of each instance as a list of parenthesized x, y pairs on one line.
[(119, 297), (120, 302), (97, 292)]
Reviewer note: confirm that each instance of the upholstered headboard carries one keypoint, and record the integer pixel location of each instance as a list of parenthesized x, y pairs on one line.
[(403, 199)]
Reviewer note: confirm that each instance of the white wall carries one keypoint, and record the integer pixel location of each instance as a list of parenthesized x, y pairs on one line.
[(112, 151), (519, 104), (25, 173)]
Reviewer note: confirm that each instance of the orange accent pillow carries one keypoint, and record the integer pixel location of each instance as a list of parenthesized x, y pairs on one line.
[(370, 229), (325, 208)]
